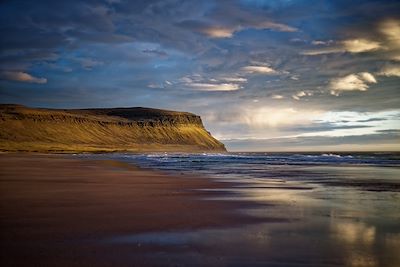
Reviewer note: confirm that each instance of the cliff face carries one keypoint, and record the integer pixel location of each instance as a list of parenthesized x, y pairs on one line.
[(96, 130)]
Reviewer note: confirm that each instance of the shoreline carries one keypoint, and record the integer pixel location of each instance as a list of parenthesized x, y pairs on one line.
[(50, 203)]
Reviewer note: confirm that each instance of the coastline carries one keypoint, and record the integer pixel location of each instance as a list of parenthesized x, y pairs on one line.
[(55, 207)]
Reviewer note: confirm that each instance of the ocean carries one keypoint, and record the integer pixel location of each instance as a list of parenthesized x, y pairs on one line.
[(368, 171), (320, 209)]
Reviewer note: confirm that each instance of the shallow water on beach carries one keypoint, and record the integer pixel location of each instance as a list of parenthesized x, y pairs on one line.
[(319, 210)]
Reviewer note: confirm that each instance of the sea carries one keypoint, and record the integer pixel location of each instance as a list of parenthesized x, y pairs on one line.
[(320, 209)]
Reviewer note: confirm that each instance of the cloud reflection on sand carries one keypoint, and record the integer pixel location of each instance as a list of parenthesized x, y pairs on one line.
[(357, 239), (316, 213), (354, 233)]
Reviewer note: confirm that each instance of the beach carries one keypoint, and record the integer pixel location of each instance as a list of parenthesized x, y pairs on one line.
[(55, 210), (231, 209)]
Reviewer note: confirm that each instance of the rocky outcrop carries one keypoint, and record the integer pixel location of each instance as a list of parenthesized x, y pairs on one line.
[(102, 130)]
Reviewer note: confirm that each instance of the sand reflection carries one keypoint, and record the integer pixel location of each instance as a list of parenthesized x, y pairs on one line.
[(393, 240), (362, 260), (357, 238), (354, 233)]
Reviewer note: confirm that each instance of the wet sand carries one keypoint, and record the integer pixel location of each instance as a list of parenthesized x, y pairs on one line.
[(55, 209), (62, 210)]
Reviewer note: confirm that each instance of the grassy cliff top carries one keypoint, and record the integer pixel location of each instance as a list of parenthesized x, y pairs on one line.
[(108, 114)]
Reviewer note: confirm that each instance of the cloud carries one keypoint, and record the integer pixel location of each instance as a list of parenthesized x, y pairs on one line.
[(351, 82), (261, 117), (19, 76), (89, 63), (259, 70), (213, 30), (234, 79), (319, 42), (351, 46), (155, 52), (274, 26), (360, 45), (297, 40), (215, 86), (218, 32), (390, 42), (155, 86), (368, 77), (367, 142), (277, 96), (198, 82), (390, 131), (301, 94), (316, 52), (391, 28), (390, 71), (226, 32)]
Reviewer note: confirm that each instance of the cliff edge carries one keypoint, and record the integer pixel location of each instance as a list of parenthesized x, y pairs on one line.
[(102, 130)]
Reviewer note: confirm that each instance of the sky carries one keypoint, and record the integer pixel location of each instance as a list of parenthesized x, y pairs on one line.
[(264, 75)]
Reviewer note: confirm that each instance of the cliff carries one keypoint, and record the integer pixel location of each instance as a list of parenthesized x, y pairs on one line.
[(102, 130)]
